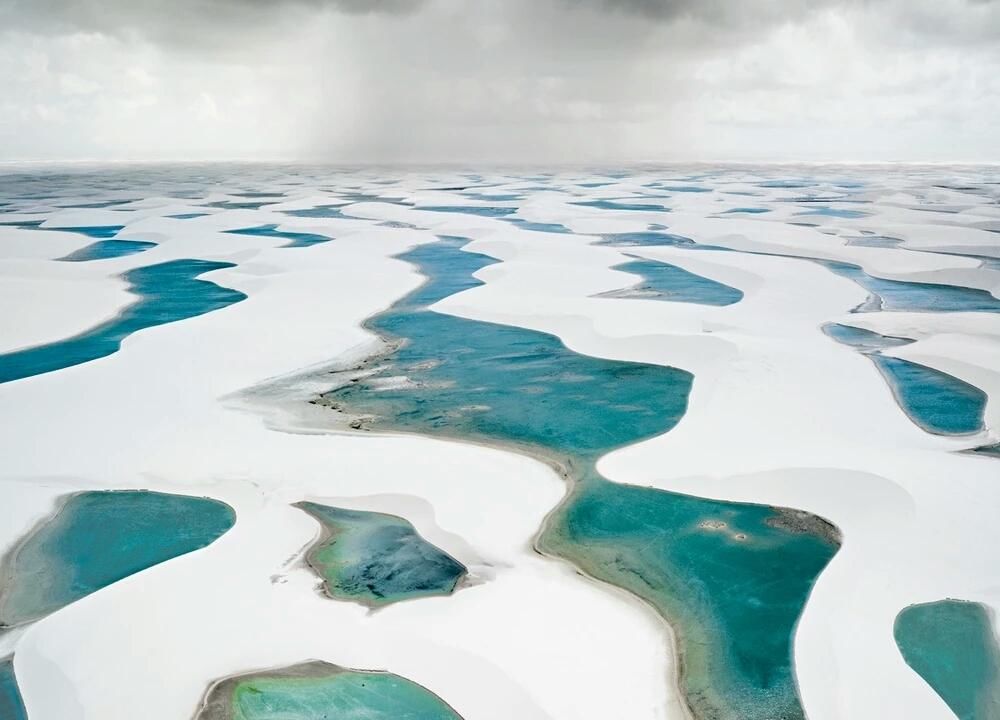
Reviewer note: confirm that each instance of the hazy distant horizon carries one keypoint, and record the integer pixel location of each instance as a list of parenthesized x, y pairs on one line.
[(523, 81)]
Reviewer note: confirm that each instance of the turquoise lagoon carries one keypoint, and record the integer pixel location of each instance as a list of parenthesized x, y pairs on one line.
[(98, 232), (377, 559), (835, 212), (315, 690), (731, 578), (864, 340), (936, 401), (907, 296), (167, 292), (105, 249), (11, 704), (295, 239), (621, 205), (480, 210), (663, 281), (320, 211), (537, 226), (97, 538), (952, 645)]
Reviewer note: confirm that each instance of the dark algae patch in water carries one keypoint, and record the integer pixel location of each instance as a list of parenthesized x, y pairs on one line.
[(952, 645), (167, 292), (377, 559), (315, 689), (11, 705), (730, 578), (97, 538)]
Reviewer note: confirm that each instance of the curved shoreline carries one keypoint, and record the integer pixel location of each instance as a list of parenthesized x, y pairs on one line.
[(579, 475), (78, 589)]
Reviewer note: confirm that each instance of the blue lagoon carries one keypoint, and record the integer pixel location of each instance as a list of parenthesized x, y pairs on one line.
[(730, 578)]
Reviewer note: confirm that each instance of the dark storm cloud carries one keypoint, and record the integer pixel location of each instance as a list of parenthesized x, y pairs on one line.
[(171, 19), (193, 22)]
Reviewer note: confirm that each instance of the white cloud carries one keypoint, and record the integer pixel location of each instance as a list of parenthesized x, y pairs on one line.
[(518, 81)]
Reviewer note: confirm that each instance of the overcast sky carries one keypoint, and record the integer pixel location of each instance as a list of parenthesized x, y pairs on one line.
[(550, 81)]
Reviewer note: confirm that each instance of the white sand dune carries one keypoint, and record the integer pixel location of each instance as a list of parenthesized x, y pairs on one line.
[(780, 414)]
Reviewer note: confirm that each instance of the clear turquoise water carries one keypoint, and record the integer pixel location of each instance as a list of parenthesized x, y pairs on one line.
[(317, 690), (11, 705), (878, 241), (731, 578), (497, 197), (167, 292), (320, 211), (662, 281), (481, 210), (537, 226), (377, 559), (938, 402), (863, 340), (648, 238), (916, 297), (98, 538), (952, 645), (296, 239), (785, 184), (233, 205), (94, 205), (618, 205), (108, 249), (835, 213), (99, 232)]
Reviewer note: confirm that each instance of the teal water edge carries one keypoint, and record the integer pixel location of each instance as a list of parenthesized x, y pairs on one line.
[(663, 281), (938, 402), (619, 205), (863, 340), (97, 538), (377, 559), (99, 232), (108, 249), (11, 704), (731, 578), (481, 210), (952, 645), (988, 450), (537, 226), (167, 292), (314, 690), (913, 296), (835, 213), (296, 239)]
